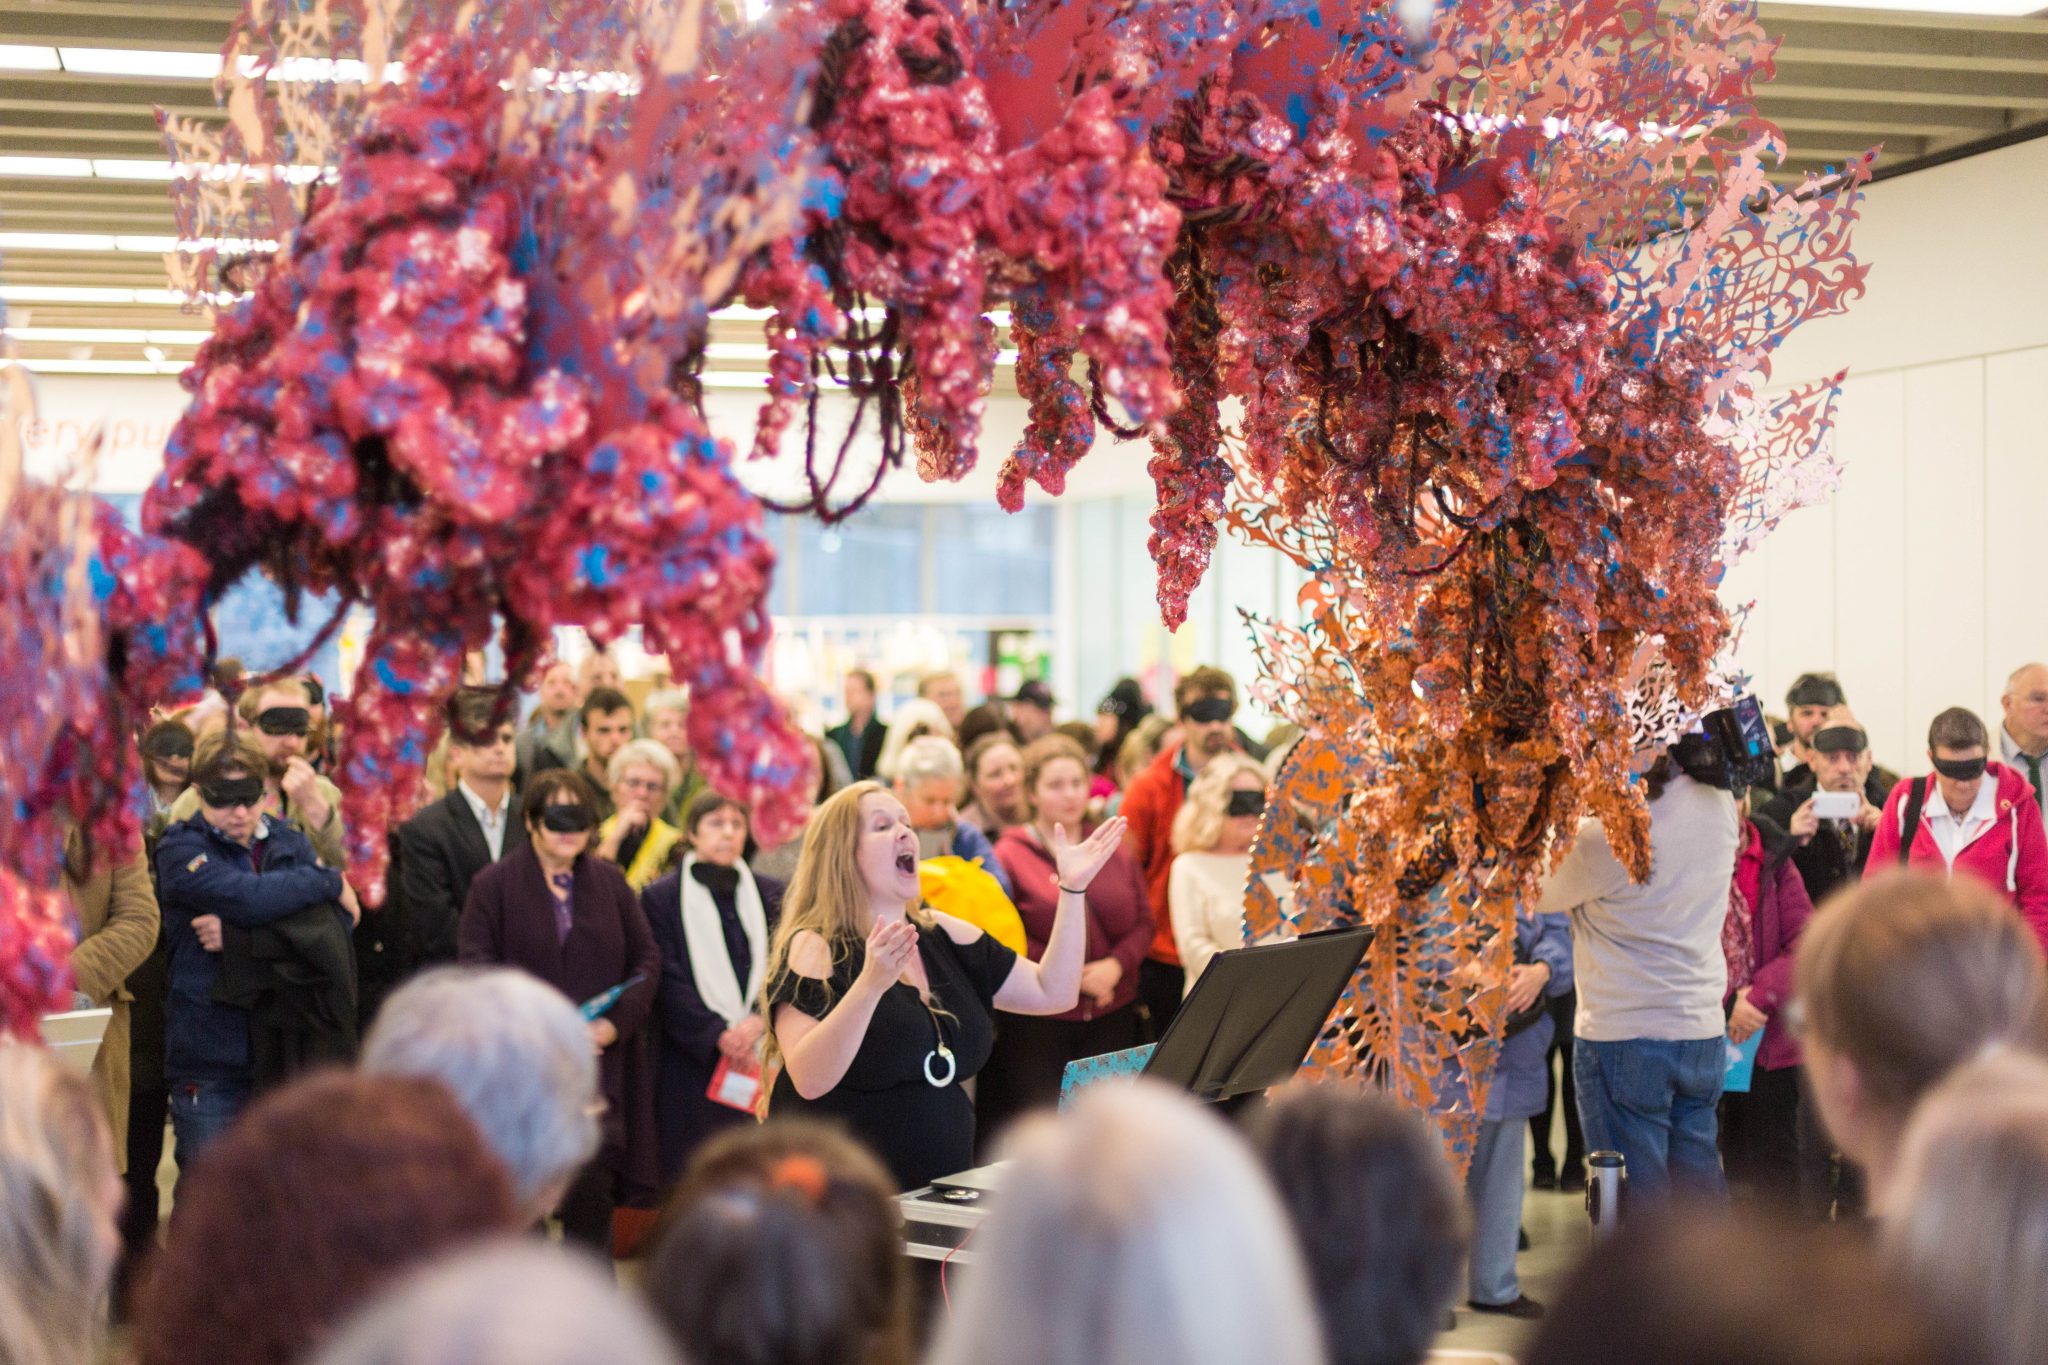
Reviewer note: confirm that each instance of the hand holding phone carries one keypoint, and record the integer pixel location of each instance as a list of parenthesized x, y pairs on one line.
[(1837, 805)]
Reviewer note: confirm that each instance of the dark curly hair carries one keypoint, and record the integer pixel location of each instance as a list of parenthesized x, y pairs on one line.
[(319, 1196)]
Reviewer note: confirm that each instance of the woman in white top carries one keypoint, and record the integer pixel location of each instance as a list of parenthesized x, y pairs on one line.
[(1212, 836)]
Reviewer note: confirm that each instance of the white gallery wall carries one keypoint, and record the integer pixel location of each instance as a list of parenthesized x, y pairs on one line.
[(1925, 581)]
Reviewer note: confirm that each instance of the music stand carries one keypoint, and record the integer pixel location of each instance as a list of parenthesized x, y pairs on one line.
[(1255, 1012)]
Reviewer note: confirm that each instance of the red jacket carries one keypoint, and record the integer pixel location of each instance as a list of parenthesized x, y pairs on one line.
[(1150, 803), (2011, 855)]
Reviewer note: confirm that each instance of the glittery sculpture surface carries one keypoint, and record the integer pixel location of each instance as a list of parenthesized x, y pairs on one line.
[(461, 392), (1472, 321), (96, 623)]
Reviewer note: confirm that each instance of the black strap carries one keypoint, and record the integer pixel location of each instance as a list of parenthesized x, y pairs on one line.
[(1916, 801)]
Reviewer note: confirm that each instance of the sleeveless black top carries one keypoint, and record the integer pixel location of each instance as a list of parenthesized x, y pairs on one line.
[(920, 1130)]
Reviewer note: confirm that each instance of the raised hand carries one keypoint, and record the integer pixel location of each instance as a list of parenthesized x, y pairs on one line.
[(1078, 863)]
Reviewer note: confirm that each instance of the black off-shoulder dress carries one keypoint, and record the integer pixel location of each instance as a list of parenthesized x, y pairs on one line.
[(887, 1099)]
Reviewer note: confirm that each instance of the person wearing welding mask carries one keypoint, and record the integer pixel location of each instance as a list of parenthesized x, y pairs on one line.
[(1970, 815)]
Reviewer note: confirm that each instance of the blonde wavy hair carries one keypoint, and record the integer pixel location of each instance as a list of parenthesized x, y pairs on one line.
[(56, 1249), (1199, 824), (827, 896)]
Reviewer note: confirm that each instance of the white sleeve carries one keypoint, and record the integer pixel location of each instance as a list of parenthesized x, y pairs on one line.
[(1588, 873), (1187, 900)]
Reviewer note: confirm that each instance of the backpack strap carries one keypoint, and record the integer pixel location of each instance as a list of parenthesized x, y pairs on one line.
[(1909, 818)]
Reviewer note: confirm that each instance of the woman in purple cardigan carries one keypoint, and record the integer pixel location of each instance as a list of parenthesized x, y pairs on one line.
[(570, 919), (1031, 1054), (1768, 1140)]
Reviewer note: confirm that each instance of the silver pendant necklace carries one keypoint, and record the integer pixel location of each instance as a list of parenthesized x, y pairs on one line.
[(940, 1055)]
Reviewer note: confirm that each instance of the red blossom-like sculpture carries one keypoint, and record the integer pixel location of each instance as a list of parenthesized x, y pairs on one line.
[(387, 418)]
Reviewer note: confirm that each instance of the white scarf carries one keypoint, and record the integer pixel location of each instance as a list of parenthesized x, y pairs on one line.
[(704, 936)]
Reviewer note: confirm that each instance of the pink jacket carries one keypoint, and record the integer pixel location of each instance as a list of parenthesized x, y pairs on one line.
[(1779, 918), (2011, 855)]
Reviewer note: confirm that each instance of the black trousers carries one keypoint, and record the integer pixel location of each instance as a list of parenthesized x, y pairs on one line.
[(586, 1208), (1771, 1141), (1563, 1010), (149, 1108), (1160, 987)]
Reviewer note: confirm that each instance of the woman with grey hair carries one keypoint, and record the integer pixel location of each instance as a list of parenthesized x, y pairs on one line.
[(1132, 1230), (641, 775), (930, 780), (516, 1055), (503, 1303), (917, 718)]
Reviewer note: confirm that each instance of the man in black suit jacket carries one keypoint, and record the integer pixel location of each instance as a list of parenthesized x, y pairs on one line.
[(442, 848), (860, 739)]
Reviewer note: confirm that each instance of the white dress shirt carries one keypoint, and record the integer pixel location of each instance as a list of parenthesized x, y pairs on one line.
[(1951, 835), (493, 821)]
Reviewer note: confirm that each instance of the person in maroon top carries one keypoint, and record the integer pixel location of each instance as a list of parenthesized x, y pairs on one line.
[(570, 919), (1031, 1054)]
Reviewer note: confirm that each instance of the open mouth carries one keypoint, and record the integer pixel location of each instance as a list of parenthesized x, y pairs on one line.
[(906, 863)]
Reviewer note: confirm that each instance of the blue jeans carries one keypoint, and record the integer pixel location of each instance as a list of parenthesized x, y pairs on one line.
[(201, 1112), (1494, 1188), (1653, 1102)]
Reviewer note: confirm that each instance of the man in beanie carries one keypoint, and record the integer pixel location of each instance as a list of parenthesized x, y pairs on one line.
[(1806, 707), (1831, 853)]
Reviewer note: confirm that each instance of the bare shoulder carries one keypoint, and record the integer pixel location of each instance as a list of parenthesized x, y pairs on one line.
[(959, 930), (810, 955)]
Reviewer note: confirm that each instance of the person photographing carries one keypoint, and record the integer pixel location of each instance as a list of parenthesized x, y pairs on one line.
[(878, 1010)]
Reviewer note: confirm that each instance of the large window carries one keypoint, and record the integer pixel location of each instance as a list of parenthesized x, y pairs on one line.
[(938, 559)]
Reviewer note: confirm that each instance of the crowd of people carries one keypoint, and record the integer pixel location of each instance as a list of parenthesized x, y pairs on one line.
[(589, 982)]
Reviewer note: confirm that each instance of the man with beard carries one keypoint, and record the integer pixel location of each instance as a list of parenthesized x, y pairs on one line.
[(1205, 700), (280, 716), (1807, 703), (1833, 854)]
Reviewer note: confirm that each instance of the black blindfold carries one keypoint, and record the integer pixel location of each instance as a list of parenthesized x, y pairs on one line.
[(225, 793), (1840, 739), (568, 818), (1246, 803), (285, 720)]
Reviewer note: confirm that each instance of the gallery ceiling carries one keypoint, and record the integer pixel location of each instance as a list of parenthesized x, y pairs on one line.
[(84, 214)]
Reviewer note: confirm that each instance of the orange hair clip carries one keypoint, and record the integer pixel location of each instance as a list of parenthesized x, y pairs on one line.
[(800, 1172)]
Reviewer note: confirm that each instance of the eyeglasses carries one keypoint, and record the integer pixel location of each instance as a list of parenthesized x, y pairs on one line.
[(642, 784)]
